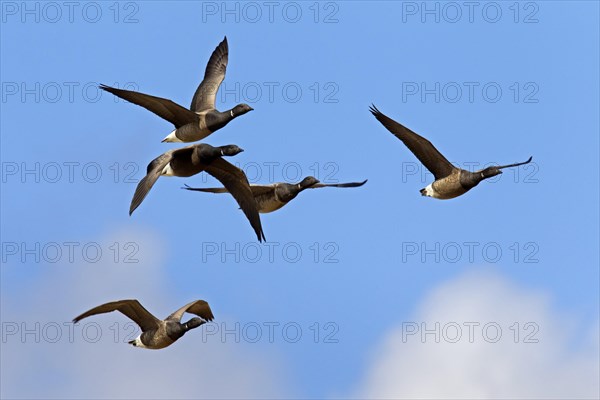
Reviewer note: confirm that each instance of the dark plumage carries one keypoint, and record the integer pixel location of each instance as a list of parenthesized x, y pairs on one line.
[(156, 333), (202, 118), (449, 181), (194, 159), (272, 197)]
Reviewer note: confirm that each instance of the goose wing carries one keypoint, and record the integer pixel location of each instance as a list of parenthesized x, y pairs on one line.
[(516, 164), (236, 183), (422, 148), (197, 307), (154, 171), (339, 185), (257, 190), (130, 308), (204, 98), (207, 190), (164, 108)]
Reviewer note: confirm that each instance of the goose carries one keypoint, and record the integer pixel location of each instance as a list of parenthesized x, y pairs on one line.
[(202, 118), (450, 181), (193, 159), (156, 334), (272, 197)]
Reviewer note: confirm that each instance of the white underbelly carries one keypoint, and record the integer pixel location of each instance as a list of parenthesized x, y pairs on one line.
[(167, 170), (171, 138), (430, 191)]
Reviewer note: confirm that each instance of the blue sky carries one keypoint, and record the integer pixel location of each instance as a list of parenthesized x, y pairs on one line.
[(493, 84)]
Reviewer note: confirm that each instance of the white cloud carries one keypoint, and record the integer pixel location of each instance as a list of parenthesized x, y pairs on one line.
[(559, 365), (82, 369)]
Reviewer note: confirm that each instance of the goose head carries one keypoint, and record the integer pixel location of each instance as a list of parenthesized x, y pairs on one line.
[(240, 109), (193, 323), (230, 150), (308, 182), (489, 172)]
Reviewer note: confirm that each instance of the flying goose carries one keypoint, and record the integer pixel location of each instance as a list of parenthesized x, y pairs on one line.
[(202, 118), (272, 197), (450, 182), (193, 159), (156, 334)]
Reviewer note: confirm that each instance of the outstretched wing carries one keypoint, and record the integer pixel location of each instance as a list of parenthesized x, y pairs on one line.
[(197, 307), (422, 148), (257, 190), (339, 185), (154, 171), (208, 190), (236, 183), (204, 98), (130, 308), (164, 108)]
